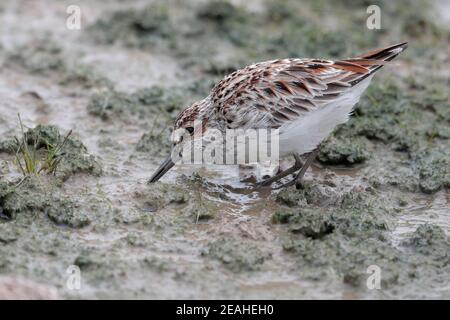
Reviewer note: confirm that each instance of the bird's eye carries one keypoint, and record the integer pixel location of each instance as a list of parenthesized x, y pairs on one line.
[(190, 129)]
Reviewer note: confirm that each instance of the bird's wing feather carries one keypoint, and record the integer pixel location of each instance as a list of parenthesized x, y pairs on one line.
[(273, 93)]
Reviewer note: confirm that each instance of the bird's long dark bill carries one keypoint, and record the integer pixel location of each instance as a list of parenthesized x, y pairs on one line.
[(163, 168)]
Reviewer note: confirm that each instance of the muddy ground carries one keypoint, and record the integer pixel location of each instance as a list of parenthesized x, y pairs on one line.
[(377, 195)]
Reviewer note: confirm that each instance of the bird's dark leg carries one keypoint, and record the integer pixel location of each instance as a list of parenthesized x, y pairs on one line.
[(297, 165), (302, 172)]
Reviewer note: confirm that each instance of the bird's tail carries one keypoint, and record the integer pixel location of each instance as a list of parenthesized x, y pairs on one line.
[(367, 64), (385, 54)]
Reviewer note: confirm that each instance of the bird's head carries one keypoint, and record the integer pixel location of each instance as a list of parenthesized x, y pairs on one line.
[(189, 125)]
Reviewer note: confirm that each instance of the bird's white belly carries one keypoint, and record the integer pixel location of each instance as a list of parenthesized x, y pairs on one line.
[(304, 135)]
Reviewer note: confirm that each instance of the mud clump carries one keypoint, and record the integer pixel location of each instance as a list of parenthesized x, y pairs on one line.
[(158, 202), (32, 196), (429, 239), (88, 260), (434, 172), (306, 223), (352, 235), (343, 151), (8, 234), (157, 264), (352, 213), (202, 210), (96, 265), (64, 211), (237, 254), (426, 171), (393, 115), (27, 197), (159, 206), (379, 115), (6, 146), (74, 157), (310, 193), (162, 195)]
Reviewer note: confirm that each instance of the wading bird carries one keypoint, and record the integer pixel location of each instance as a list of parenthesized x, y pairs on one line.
[(305, 99)]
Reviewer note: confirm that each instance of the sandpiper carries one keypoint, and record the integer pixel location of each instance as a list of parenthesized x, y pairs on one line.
[(305, 99)]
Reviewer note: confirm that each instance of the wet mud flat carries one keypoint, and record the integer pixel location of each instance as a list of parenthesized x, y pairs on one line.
[(378, 194)]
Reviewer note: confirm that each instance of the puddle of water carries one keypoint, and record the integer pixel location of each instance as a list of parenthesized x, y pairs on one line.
[(425, 209)]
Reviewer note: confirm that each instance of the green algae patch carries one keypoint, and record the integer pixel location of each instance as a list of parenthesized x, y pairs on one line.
[(45, 57), (218, 11), (202, 211), (380, 116), (343, 151), (157, 264), (342, 240), (4, 215), (310, 193), (65, 212), (402, 119), (31, 197), (307, 224), (157, 143), (96, 264), (73, 157), (134, 27), (28, 197), (428, 236), (6, 146), (84, 75), (426, 171), (179, 206), (111, 104), (162, 207), (135, 240), (237, 254), (351, 213), (39, 56), (8, 234), (160, 195), (107, 103), (434, 171)]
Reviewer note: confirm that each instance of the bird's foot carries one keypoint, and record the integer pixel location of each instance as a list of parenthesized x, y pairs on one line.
[(297, 166), (297, 181)]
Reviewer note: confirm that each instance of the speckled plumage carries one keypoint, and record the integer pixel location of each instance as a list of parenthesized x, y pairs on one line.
[(304, 98), (272, 93)]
